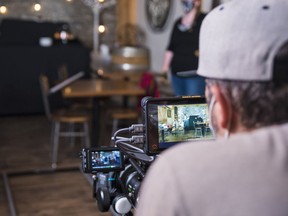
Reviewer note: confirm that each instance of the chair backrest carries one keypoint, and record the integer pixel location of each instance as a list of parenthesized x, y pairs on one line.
[(48, 91), (62, 72), (44, 85)]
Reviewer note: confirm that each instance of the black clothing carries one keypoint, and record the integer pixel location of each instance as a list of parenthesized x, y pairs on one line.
[(185, 46)]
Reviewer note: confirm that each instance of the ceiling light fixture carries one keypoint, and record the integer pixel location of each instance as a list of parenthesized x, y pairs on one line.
[(3, 9), (101, 28), (37, 6)]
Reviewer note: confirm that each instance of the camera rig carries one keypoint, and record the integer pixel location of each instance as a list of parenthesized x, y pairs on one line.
[(119, 170)]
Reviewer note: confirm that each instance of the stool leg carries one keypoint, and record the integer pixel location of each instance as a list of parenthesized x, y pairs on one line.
[(114, 126), (72, 129), (87, 138), (55, 144), (52, 137)]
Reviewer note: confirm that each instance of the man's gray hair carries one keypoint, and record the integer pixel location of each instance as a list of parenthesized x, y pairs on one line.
[(257, 104)]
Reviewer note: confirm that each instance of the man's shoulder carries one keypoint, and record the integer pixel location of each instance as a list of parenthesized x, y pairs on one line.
[(196, 174)]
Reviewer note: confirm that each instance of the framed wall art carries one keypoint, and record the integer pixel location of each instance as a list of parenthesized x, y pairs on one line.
[(157, 13)]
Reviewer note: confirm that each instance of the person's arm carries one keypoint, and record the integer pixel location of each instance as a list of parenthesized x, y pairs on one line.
[(189, 18), (167, 60), (169, 51)]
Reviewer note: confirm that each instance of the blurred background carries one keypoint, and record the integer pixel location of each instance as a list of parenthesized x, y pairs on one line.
[(114, 40)]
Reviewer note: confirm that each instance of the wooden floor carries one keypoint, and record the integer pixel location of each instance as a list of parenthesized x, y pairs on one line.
[(24, 154)]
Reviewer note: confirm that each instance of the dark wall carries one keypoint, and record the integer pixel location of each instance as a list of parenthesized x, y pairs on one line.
[(22, 60), (26, 32)]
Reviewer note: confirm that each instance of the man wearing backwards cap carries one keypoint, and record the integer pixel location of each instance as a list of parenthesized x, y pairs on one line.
[(244, 172)]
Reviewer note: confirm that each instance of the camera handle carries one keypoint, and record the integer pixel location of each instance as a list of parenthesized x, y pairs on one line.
[(101, 195), (94, 177)]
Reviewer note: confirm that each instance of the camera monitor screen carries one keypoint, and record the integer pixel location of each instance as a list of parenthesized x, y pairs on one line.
[(173, 120), (106, 160)]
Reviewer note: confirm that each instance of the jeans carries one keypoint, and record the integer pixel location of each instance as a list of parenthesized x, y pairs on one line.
[(183, 86)]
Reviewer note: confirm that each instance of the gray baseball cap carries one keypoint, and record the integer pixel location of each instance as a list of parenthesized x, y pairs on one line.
[(239, 39)]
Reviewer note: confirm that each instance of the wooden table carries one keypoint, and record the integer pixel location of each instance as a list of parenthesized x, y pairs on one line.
[(98, 89)]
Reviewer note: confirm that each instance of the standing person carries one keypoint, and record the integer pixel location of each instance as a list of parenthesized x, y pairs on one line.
[(182, 51), (244, 172)]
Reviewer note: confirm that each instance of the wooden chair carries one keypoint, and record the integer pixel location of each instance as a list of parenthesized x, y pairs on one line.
[(61, 118), (77, 103)]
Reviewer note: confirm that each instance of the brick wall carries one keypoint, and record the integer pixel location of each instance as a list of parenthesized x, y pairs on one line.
[(75, 12)]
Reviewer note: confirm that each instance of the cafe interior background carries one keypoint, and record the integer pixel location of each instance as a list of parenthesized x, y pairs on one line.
[(41, 37)]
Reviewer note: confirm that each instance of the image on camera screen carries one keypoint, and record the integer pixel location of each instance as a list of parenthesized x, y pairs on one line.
[(177, 123), (105, 160)]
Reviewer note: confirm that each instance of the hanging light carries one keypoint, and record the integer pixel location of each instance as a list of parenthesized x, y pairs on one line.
[(101, 28), (37, 6), (3, 9)]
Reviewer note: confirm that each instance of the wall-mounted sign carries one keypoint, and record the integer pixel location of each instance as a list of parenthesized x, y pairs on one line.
[(157, 13)]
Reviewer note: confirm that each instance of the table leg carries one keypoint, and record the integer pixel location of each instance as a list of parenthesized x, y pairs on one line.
[(99, 122), (95, 123)]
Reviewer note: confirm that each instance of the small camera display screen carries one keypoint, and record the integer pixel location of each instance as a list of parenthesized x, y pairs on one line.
[(176, 120), (106, 160)]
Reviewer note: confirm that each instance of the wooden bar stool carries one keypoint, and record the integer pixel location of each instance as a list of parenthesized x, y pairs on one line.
[(123, 114), (61, 118)]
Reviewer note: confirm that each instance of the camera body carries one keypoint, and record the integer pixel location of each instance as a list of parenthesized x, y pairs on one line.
[(118, 171), (114, 176)]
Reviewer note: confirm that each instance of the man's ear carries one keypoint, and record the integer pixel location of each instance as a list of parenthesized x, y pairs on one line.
[(223, 109)]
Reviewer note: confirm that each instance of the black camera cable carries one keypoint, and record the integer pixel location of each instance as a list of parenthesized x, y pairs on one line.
[(134, 152)]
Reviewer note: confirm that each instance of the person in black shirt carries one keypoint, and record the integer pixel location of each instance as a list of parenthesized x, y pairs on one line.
[(182, 51)]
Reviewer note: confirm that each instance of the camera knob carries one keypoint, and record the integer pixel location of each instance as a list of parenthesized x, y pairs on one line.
[(121, 204)]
